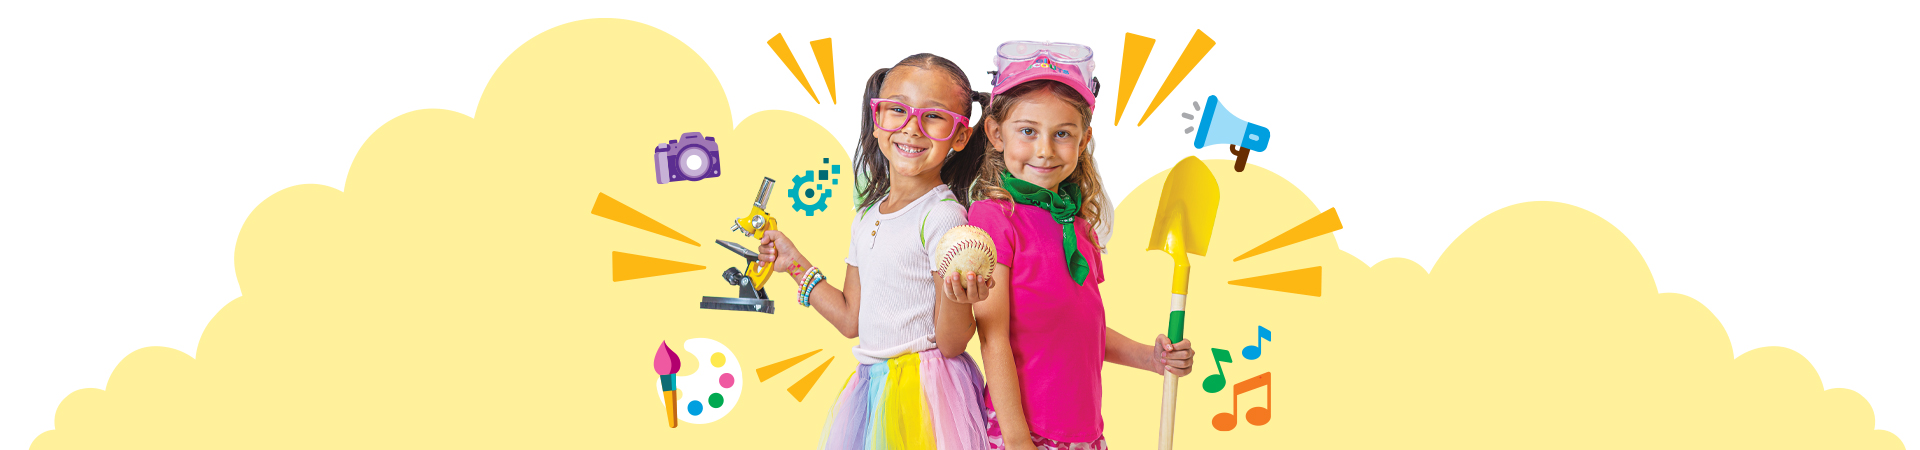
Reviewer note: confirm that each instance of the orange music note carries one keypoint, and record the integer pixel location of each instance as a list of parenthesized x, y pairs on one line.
[(1256, 415)]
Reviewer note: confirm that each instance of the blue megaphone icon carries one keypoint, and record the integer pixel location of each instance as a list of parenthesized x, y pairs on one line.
[(1217, 126)]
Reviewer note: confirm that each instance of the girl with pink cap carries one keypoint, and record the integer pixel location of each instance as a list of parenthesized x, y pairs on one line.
[(1042, 326)]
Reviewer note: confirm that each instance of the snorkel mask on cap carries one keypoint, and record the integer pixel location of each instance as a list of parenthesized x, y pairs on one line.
[(1022, 61)]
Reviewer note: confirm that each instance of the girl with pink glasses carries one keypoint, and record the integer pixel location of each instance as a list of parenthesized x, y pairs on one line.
[(915, 387)]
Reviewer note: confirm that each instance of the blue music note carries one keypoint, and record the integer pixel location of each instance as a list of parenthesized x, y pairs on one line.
[(1252, 352)]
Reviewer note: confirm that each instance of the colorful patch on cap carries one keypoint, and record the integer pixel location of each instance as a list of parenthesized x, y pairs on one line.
[(1046, 63)]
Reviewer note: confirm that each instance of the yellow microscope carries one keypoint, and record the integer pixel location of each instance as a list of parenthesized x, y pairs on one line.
[(752, 283)]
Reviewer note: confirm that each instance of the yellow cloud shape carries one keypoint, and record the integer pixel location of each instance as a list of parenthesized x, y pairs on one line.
[(1539, 327), (457, 294)]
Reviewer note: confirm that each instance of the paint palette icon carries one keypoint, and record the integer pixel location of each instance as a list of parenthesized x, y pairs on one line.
[(713, 388)]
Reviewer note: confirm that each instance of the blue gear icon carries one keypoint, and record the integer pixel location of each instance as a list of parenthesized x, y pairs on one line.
[(802, 205)]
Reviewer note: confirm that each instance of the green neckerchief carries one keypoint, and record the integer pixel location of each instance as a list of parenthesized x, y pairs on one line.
[(1064, 205)]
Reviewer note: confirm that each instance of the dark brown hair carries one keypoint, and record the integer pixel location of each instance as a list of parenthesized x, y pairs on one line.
[(960, 168), (1085, 175)]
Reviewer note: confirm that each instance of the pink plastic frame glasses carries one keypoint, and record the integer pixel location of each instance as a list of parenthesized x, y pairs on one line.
[(913, 115)]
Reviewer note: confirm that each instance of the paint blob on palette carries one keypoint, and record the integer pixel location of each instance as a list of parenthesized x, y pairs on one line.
[(713, 388)]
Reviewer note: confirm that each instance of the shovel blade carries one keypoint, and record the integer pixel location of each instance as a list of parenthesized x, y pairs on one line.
[(1188, 204)]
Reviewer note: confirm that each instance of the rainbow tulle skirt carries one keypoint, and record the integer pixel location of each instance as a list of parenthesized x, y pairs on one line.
[(913, 401)]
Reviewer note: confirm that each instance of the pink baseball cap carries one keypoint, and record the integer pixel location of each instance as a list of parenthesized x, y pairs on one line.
[(1022, 61)]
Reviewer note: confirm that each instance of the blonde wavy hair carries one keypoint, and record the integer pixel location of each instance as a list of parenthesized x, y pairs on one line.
[(987, 186)]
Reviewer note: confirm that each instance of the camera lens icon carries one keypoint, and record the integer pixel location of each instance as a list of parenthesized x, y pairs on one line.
[(693, 162), (691, 158)]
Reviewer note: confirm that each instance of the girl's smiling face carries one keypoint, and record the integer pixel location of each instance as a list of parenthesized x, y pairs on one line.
[(1041, 139), (910, 153)]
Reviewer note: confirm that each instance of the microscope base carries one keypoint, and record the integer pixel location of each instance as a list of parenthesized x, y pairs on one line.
[(737, 304)]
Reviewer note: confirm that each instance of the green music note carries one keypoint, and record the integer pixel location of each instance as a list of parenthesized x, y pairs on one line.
[(1214, 383)]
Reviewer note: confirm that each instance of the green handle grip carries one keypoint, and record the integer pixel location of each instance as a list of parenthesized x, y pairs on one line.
[(1176, 326)]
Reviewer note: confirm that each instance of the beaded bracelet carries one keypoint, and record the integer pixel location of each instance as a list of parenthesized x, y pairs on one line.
[(812, 279), (813, 282), (800, 294)]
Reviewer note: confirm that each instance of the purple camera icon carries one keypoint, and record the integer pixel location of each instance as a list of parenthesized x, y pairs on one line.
[(690, 158)]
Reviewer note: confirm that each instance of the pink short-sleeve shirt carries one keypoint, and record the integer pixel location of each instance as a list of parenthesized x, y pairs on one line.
[(1058, 328)]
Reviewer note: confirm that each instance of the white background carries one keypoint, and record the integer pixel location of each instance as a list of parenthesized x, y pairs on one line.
[(1759, 154)]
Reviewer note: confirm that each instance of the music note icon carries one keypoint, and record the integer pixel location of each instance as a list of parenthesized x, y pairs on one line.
[(1214, 383), (1252, 352), (1256, 415)]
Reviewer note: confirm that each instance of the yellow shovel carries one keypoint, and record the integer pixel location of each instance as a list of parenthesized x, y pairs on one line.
[(1184, 224)]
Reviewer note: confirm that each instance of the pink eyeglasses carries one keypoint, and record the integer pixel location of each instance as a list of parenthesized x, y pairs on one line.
[(935, 123)]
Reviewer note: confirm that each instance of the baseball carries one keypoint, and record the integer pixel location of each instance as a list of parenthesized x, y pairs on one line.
[(963, 249)]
